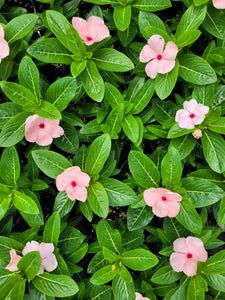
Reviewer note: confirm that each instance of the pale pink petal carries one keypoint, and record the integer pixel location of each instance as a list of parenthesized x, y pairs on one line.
[(138, 296), (12, 266), (173, 208), (54, 130), (173, 197), (43, 139), (165, 66), (41, 271), (33, 121), (179, 245), (198, 119), (177, 261), (70, 171), (156, 43), (150, 197), (2, 33), (203, 109), (4, 48), (161, 191), (81, 179), (151, 68), (70, 192), (62, 181), (181, 114), (194, 243), (31, 134), (93, 20), (160, 210), (46, 249), (219, 4), (186, 123), (170, 51), (147, 54), (80, 193), (200, 254), (190, 267), (50, 263), (97, 29), (191, 105), (31, 246), (197, 133), (81, 27)]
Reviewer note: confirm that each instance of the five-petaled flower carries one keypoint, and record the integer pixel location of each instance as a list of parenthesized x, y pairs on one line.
[(219, 4), (48, 259), (158, 60), (74, 182), (188, 251), (91, 31), (164, 203), (140, 297), (192, 114), (12, 266), (3, 45), (41, 130)]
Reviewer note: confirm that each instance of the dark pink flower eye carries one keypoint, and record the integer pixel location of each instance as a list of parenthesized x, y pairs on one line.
[(89, 38), (159, 57), (164, 198), (192, 116), (189, 255), (42, 125), (73, 183)]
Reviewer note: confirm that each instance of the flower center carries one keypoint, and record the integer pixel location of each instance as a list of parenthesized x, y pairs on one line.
[(89, 38), (164, 198), (159, 57), (73, 183), (192, 116), (189, 255), (42, 125)]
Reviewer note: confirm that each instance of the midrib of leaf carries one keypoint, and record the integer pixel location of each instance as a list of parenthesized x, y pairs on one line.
[(99, 154), (101, 293), (193, 71), (33, 85), (140, 100), (99, 206), (161, 108), (18, 32), (15, 92), (218, 30), (175, 228), (51, 280), (148, 175), (14, 132), (23, 200), (60, 96), (112, 241), (216, 262), (212, 147)]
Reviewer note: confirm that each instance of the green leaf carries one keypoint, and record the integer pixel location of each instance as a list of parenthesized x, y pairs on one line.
[(30, 264), (130, 128), (70, 240), (109, 255), (122, 16), (216, 281), (214, 150), (24, 203), (98, 199), (112, 60), (92, 81), (218, 126), (151, 6), (204, 94), (139, 259), (98, 292), (103, 275), (98, 153), (55, 285), (139, 217), (166, 275), (184, 145), (196, 289), (52, 229), (119, 193), (214, 22), (171, 168), (165, 83), (113, 122), (163, 110), (221, 214), (187, 38), (123, 290), (7, 111), (4, 202), (143, 169), (108, 237), (146, 19), (188, 216), (113, 95), (128, 34), (19, 27), (179, 292), (50, 51), (86, 210), (14, 288), (74, 42), (69, 141), (175, 131), (48, 111), (10, 166), (63, 204), (196, 70), (77, 67), (50, 162), (215, 264)]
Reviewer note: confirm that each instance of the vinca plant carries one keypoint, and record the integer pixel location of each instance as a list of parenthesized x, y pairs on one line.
[(112, 167)]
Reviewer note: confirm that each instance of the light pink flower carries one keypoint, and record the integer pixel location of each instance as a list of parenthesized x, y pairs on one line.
[(12, 266), (188, 251), (48, 259), (140, 297), (74, 182), (164, 203), (192, 114), (158, 61), (41, 130), (91, 31), (197, 133), (3, 45), (219, 4)]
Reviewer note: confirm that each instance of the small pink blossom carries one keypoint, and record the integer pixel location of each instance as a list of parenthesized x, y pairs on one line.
[(140, 297), (91, 31), (158, 61), (12, 266), (48, 259), (188, 251), (192, 114), (219, 4), (163, 202), (3, 45), (197, 133), (41, 130), (74, 182)]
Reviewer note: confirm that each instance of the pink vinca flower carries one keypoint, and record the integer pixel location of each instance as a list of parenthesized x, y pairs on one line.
[(3, 45), (140, 297), (164, 203), (12, 266), (188, 251), (74, 182), (48, 259), (192, 114), (158, 60), (91, 31), (219, 4), (41, 130)]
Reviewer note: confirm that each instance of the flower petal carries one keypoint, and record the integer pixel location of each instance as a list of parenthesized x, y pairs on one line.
[(54, 130), (173, 208), (181, 114), (2, 33), (186, 123), (31, 246), (219, 4), (177, 261), (179, 245), (191, 105), (81, 27), (151, 68), (160, 210), (4, 48), (156, 43), (45, 249), (147, 54), (150, 197), (43, 139), (50, 263), (80, 193), (82, 179), (190, 267), (165, 66), (170, 51), (31, 134)]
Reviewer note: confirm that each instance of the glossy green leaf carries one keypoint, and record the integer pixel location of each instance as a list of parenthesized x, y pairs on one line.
[(98, 199)]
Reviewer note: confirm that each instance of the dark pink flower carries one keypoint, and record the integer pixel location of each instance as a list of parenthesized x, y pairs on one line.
[(41, 130), (91, 31), (12, 266), (219, 4), (74, 182), (164, 203), (4, 47), (192, 114), (188, 251), (158, 59), (48, 259)]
